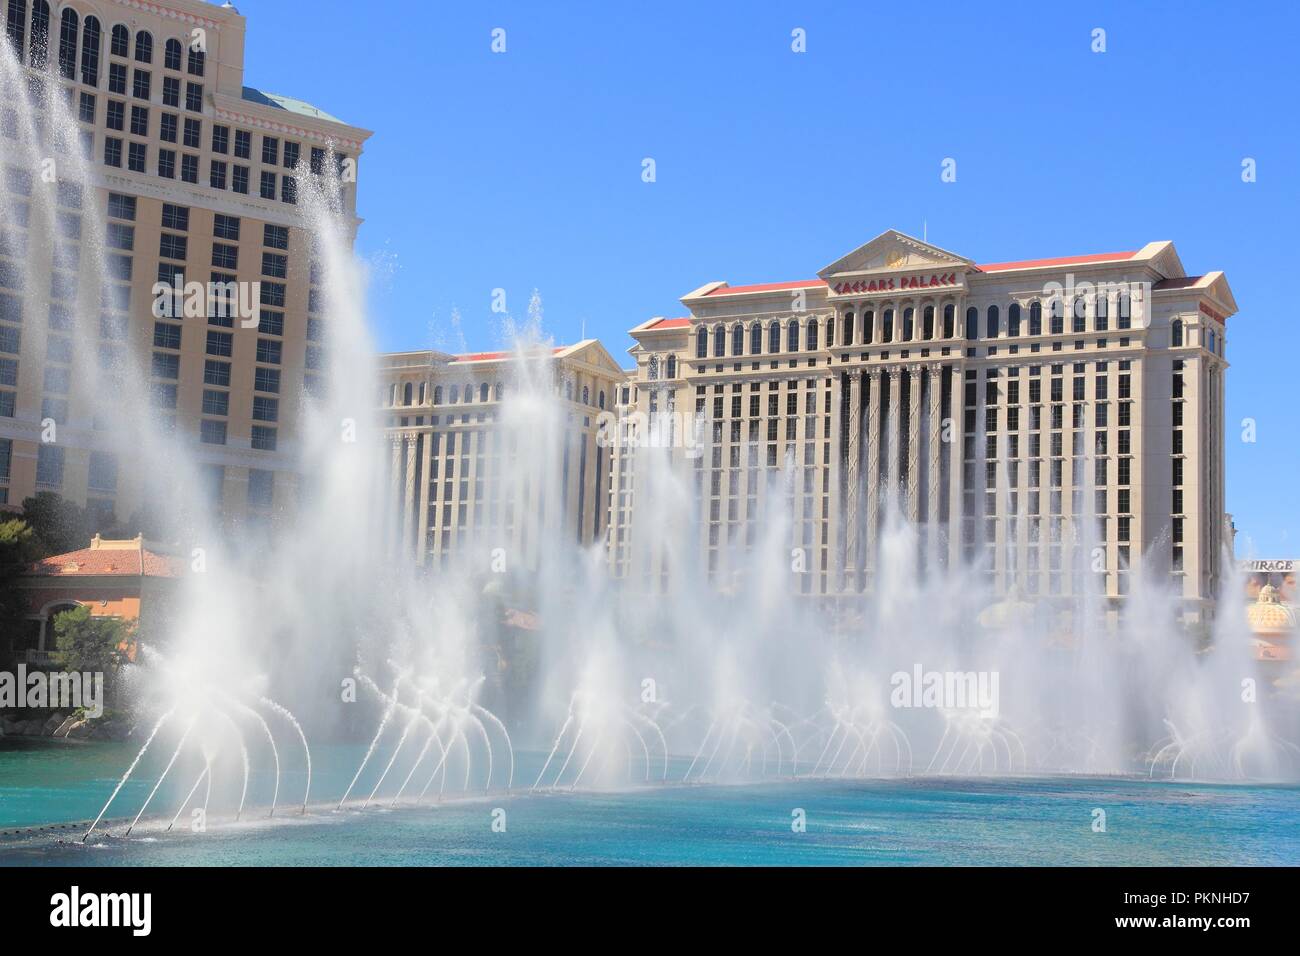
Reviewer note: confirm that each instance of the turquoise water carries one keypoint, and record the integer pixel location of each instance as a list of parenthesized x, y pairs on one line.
[(856, 823)]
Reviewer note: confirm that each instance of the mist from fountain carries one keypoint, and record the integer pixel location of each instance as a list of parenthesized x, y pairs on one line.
[(692, 678)]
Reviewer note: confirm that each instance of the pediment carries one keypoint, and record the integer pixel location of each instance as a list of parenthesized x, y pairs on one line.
[(892, 251)]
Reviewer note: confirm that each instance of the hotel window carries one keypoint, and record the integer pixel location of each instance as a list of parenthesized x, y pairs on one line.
[(1058, 316), (972, 324), (272, 294), (176, 217), (224, 256), (112, 151), (243, 144), (266, 409), (226, 227), (86, 110), (139, 121), (271, 322), (221, 139), (291, 152), (239, 179), (167, 163), (212, 432), (189, 168), (143, 47), (165, 365), (991, 327), (90, 36), (275, 237), (268, 379), (194, 97), (140, 85), (193, 131), (220, 344), (812, 335), (1036, 318), (261, 486), (268, 185), (171, 91), (216, 373), (168, 128), (1079, 311), (166, 335), (49, 465), (172, 55), (197, 58), (289, 190), (774, 337), (270, 150), (120, 41), (115, 118), (268, 351), (216, 402), (217, 175), (136, 156), (263, 438), (117, 79), (317, 161)]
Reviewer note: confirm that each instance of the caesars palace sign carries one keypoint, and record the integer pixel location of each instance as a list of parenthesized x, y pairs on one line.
[(933, 280)]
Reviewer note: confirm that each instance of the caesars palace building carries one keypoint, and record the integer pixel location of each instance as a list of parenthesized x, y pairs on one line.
[(1027, 417)]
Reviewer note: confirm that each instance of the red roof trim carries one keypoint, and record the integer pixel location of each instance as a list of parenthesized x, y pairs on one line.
[(769, 287), (1061, 261), (497, 356), (671, 323)]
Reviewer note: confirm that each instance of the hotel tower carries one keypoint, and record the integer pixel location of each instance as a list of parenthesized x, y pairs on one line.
[(1056, 424), (197, 178)]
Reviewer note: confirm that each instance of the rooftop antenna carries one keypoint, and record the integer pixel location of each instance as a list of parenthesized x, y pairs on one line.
[(925, 231)]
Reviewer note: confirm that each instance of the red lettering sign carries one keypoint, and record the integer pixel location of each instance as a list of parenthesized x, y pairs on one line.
[(891, 283)]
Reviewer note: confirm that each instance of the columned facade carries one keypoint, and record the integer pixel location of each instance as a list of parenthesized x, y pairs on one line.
[(1050, 424)]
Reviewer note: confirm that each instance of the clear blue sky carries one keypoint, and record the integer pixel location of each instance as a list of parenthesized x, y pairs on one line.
[(523, 170)]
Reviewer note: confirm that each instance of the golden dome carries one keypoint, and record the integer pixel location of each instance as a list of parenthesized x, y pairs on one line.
[(1268, 615)]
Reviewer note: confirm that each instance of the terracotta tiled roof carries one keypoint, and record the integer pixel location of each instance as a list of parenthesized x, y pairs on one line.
[(671, 323), (107, 562)]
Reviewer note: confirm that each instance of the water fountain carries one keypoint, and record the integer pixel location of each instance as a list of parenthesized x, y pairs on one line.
[(750, 684)]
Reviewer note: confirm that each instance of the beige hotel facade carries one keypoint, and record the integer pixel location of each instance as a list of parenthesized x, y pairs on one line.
[(194, 174), (1055, 424)]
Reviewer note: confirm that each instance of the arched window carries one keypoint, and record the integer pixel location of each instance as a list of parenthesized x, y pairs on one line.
[(887, 326), (927, 323), (1013, 320), (702, 343), (1124, 311), (90, 34), (423, 391), (483, 392), (437, 394), (68, 44), (792, 336), (738, 339), (849, 326), (1035, 318), (39, 45), (16, 25), (756, 339), (197, 58), (407, 391), (812, 335), (120, 43), (1080, 313), (972, 324), (909, 325), (1101, 321), (586, 395), (991, 319), (719, 341), (600, 399), (143, 47), (172, 55), (1058, 315), (949, 321), (830, 331), (497, 390), (672, 367), (1176, 333), (568, 391), (774, 337), (652, 368)]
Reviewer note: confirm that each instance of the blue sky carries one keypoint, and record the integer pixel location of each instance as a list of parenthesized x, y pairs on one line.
[(522, 170)]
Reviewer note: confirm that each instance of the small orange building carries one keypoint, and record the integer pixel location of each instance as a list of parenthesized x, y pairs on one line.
[(122, 579)]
